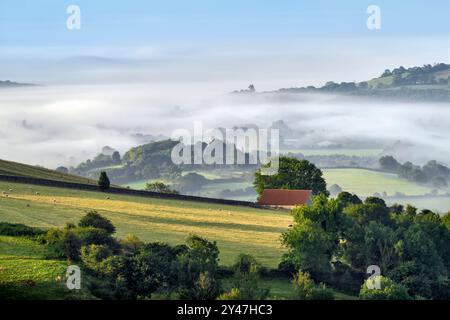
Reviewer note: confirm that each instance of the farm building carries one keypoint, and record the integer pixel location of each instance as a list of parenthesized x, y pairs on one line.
[(283, 198)]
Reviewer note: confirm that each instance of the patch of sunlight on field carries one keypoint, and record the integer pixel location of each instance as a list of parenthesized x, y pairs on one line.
[(367, 182), (236, 229)]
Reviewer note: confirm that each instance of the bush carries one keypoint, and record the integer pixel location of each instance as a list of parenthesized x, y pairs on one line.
[(131, 244), (65, 242), (305, 289), (92, 256), (249, 287), (303, 286), (389, 290), (246, 263), (95, 220), (321, 292), (96, 236), (19, 230), (233, 294), (246, 279), (199, 256)]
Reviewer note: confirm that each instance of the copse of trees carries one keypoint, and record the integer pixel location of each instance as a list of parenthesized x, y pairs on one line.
[(337, 238), (160, 187), (432, 172), (292, 174)]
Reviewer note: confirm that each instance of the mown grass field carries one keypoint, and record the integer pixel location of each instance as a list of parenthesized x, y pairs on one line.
[(236, 229), (367, 182)]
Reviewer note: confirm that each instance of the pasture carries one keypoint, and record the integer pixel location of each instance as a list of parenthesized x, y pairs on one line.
[(367, 182), (236, 229)]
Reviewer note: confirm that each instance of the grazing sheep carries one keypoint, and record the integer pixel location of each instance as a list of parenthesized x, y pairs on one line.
[(107, 198), (37, 193)]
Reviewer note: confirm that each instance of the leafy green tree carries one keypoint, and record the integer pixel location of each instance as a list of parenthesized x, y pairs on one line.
[(247, 279), (380, 242), (160, 187), (292, 174), (95, 220), (346, 199), (200, 258), (389, 290), (103, 181), (152, 269), (389, 164), (314, 237)]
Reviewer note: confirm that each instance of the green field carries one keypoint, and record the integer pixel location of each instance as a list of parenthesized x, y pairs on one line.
[(367, 182), (236, 229), (22, 170), (26, 273)]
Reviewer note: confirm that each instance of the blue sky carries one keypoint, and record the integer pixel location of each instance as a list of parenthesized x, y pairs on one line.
[(139, 22), (248, 39)]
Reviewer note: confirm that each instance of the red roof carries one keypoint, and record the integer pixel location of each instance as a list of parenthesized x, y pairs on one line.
[(284, 197)]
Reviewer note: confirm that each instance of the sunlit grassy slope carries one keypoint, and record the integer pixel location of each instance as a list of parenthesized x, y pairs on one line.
[(236, 229), (18, 169), (25, 273), (367, 182)]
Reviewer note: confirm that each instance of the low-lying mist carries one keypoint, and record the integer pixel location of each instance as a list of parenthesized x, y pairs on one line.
[(54, 125)]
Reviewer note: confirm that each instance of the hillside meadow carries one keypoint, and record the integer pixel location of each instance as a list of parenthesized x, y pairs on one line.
[(236, 229)]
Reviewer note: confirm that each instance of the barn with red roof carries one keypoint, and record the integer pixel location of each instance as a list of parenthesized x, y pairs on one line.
[(284, 198)]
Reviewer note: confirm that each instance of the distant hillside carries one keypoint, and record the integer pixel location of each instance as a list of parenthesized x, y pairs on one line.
[(17, 169), (149, 161), (426, 83), (12, 84)]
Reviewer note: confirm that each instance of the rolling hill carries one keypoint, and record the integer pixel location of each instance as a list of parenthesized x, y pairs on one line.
[(22, 170)]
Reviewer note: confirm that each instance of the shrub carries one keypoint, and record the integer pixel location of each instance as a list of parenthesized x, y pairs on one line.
[(249, 288), (199, 256), (96, 236), (92, 256), (305, 289), (303, 286), (19, 230), (389, 290), (131, 244), (95, 220), (321, 292), (66, 243), (246, 263), (233, 294)]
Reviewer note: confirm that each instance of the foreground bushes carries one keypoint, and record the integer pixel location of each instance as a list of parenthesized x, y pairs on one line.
[(336, 240), (19, 230)]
